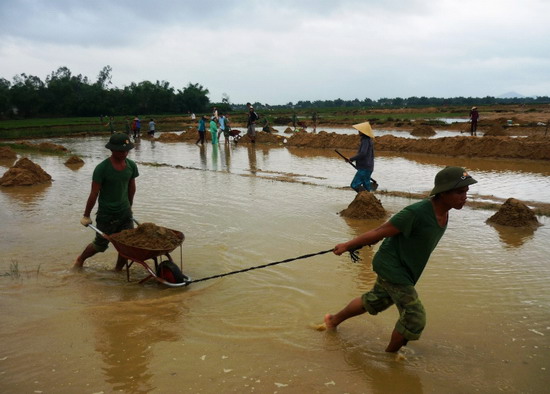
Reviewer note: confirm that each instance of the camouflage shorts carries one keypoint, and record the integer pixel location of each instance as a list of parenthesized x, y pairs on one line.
[(412, 316), (110, 225)]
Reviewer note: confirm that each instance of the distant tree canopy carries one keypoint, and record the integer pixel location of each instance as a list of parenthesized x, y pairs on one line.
[(63, 94)]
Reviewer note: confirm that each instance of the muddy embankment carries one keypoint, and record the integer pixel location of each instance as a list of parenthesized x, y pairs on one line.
[(505, 147)]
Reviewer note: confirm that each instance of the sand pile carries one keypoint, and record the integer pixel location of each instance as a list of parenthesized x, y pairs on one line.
[(364, 206), (514, 213), (495, 131), (423, 131), (45, 147), (173, 137), (24, 173), (74, 160), (149, 236), (7, 153)]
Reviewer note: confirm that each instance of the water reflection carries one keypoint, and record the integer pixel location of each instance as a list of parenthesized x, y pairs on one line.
[(202, 154), (28, 196), (252, 158), (126, 333), (513, 237)]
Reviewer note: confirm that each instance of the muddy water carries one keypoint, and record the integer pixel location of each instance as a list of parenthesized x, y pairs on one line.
[(485, 288)]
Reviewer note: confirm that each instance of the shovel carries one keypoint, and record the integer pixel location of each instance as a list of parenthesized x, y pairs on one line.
[(374, 183)]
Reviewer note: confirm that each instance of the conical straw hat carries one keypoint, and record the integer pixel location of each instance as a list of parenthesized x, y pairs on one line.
[(364, 128)]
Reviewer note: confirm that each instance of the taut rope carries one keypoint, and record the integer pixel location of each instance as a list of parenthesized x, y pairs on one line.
[(353, 254)]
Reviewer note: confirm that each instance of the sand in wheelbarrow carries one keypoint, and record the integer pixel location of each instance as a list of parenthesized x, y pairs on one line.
[(148, 236), (514, 213), (25, 173), (364, 206)]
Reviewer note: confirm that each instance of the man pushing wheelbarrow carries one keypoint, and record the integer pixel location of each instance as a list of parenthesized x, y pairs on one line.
[(114, 187)]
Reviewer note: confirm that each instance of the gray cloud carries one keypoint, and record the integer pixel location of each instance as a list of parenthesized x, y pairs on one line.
[(280, 51)]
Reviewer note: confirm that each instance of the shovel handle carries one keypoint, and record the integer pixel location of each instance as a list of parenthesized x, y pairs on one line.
[(354, 166), (346, 159)]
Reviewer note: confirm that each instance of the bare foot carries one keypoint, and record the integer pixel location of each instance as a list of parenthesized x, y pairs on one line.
[(77, 265), (329, 322)]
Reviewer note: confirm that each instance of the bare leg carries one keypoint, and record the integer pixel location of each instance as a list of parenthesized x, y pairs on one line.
[(354, 308), (87, 253), (396, 342), (120, 263)]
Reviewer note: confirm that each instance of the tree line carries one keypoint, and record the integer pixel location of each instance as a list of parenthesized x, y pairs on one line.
[(64, 94)]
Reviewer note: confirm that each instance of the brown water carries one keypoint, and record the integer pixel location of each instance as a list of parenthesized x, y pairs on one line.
[(485, 289)]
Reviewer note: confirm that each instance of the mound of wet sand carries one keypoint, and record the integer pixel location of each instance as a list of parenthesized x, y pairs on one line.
[(495, 131), (364, 206), (514, 213), (533, 147), (149, 236), (423, 131), (7, 153), (173, 137), (46, 147), (24, 173), (74, 160)]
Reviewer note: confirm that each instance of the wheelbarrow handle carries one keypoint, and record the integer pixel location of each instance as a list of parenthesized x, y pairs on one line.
[(101, 232), (98, 231)]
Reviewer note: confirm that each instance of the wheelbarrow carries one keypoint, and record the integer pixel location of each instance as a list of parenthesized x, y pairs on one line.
[(236, 134), (166, 272)]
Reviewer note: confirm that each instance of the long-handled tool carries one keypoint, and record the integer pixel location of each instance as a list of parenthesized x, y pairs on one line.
[(374, 183)]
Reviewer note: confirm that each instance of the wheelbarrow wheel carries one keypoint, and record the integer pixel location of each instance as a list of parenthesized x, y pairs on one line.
[(170, 272)]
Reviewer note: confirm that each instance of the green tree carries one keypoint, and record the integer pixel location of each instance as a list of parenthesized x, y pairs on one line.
[(26, 95), (193, 98), (5, 106)]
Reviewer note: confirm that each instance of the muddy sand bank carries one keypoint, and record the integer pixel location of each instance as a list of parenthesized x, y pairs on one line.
[(529, 148)]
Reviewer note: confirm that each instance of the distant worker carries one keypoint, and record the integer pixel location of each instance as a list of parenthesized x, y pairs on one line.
[(294, 118), (474, 116), (202, 130), (222, 120), (214, 130), (136, 127), (314, 119), (111, 124), (251, 123), (409, 238), (364, 159), (152, 126), (114, 186)]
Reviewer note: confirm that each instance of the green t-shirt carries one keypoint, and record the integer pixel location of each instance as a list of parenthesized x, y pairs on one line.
[(402, 258), (113, 196)]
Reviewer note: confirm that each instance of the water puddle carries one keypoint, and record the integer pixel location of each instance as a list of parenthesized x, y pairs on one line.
[(485, 288)]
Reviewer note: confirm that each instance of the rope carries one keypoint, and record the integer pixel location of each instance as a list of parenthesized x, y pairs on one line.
[(353, 254)]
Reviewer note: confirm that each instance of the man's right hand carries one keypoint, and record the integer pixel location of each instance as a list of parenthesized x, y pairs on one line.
[(85, 221)]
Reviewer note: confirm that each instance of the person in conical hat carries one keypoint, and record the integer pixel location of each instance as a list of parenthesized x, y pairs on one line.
[(474, 116), (364, 159)]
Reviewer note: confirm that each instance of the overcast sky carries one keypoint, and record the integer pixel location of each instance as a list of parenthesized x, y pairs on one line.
[(280, 51)]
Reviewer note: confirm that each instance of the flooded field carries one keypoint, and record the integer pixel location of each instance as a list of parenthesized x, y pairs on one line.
[(485, 288)]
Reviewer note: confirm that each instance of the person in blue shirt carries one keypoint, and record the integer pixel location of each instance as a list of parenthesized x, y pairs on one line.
[(202, 130)]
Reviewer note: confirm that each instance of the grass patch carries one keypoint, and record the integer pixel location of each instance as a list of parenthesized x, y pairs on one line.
[(15, 272)]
